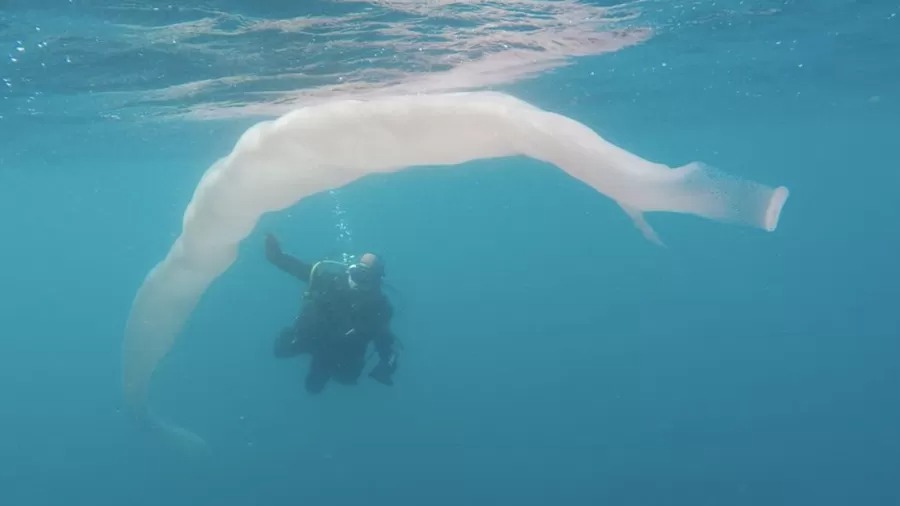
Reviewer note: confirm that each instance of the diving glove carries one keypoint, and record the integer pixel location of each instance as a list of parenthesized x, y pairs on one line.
[(383, 371)]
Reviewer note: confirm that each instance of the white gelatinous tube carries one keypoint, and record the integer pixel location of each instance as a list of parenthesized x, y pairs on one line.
[(276, 163)]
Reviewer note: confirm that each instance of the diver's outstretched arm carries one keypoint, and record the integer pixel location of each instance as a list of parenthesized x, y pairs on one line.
[(285, 262)]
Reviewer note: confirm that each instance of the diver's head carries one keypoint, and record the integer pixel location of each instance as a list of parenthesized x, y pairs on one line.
[(366, 273)]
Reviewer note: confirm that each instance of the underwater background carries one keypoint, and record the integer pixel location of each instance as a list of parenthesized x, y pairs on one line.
[(551, 355)]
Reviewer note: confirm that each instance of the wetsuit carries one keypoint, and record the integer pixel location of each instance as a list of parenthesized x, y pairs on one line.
[(335, 325)]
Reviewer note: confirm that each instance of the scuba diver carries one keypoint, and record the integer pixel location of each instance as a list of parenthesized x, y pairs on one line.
[(342, 311)]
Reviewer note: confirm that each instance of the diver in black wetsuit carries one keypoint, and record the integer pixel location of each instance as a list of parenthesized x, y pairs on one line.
[(342, 310)]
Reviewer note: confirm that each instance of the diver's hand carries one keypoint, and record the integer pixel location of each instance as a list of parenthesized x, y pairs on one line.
[(392, 363), (384, 370), (273, 249)]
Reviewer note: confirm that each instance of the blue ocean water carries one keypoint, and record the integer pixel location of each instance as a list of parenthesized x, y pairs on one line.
[(552, 355)]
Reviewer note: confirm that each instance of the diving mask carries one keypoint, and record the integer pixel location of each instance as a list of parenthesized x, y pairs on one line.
[(362, 275)]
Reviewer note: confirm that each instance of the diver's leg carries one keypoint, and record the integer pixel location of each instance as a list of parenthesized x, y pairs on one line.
[(349, 367), (300, 337), (319, 373), (289, 344)]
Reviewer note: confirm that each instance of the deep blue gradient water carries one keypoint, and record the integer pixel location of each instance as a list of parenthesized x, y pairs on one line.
[(552, 355)]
